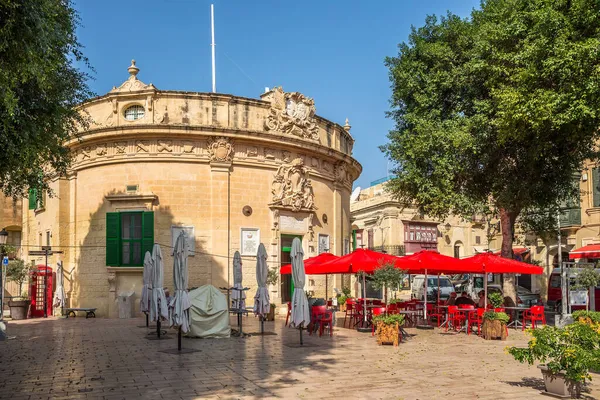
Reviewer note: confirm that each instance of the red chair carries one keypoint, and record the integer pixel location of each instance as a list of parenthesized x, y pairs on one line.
[(315, 311), (350, 310), (475, 318), (320, 318), (329, 303), (377, 302), (456, 317), (287, 317), (375, 312), (535, 313), (392, 308), (433, 312), (500, 309)]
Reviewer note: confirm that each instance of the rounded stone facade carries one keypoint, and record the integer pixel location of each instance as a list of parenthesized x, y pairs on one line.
[(230, 171)]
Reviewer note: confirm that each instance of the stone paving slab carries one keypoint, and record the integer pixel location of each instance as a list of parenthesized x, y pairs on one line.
[(111, 359)]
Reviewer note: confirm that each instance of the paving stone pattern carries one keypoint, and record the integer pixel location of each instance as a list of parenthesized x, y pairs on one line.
[(100, 358)]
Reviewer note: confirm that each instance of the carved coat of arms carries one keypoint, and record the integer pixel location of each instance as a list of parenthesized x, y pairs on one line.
[(220, 149), (292, 188), (292, 113)]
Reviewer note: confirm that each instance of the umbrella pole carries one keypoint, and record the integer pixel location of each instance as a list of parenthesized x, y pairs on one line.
[(158, 327), (301, 342), (425, 304), (326, 287), (147, 322), (438, 294), (262, 324), (485, 279), (179, 339), (364, 300)]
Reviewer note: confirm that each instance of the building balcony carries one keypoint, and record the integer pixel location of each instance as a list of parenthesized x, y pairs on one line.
[(570, 217)]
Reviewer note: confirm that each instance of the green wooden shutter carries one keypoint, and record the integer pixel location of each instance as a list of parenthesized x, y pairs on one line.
[(147, 232), (32, 199), (596, 187), (113, 238)]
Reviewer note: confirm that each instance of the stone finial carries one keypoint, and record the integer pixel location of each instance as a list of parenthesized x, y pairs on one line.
[(133, 70), (347, 126)]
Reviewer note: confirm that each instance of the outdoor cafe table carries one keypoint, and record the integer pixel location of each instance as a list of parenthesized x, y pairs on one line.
[(514, 311)]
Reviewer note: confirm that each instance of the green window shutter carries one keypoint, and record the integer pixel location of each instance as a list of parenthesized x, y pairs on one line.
[(596, 187), (112, 238), (32, 199), (147, 232)]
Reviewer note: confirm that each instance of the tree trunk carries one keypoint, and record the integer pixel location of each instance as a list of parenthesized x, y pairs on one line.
[(507, 223), (385, 294)]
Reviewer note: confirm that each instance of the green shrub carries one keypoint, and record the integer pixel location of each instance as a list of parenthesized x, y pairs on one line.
[(390, 319), (346, 291), (594, 316), (341, 300), (496, 316), (495, 299), (574, 349)]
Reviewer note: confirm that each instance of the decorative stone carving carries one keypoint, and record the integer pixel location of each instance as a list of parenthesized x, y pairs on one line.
[(109, 120), (275, 228), (286, 156), (142, 146), (120, 147), (269, 154), (341, 172), (292, 113), (315, 162), (220, 149), (327, 166), (85, 153), (161, 118), (164, 146), (112, 281), (188, 147), (292, 188), (101, 150), (132, 84), (252, 151), (149, 103)]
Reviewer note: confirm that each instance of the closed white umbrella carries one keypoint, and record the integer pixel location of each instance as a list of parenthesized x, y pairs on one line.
[(238, 295), (59, 294), (262, 303), (158, 301), (179, 308), (300, 314), (147, 284)]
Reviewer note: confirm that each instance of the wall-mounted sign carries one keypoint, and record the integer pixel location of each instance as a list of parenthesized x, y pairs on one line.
[(249, 241), (323, 243), (292, 224)]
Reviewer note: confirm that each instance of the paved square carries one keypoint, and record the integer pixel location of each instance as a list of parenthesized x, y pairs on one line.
[(77, 358)]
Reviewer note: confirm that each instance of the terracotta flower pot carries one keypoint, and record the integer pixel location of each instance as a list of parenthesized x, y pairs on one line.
[(558, 385), (19, 309)]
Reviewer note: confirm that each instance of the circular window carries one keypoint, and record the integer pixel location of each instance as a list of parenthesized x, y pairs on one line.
[(134, 113)]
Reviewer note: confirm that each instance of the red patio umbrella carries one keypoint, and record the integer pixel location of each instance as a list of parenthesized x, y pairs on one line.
[(361, 260), (314, 265), (490, 263)]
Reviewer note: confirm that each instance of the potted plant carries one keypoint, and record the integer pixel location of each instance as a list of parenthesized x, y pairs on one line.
[(387, 328), (495, 299), (18, 272), (494, 325), (567, 355), (341, 300)]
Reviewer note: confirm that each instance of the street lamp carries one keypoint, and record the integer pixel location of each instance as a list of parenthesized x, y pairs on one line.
[(3, 238)]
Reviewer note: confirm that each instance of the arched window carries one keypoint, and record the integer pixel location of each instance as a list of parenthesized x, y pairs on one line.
[(134, 113)]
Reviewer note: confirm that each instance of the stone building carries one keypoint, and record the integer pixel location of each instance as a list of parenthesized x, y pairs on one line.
[(381, 222), (230, 171)]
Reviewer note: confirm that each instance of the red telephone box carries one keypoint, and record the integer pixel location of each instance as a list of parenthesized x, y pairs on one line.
[(40, 284)]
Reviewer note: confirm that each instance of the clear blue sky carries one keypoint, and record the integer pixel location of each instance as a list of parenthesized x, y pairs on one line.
[(331, 50)]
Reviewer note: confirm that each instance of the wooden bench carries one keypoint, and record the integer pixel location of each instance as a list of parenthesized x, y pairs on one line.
[(89, 312)]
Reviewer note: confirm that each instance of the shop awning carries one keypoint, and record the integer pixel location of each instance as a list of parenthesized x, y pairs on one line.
[(589, 251), (516, 251)]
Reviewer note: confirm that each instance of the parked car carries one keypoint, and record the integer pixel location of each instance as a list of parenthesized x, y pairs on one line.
[(525, 298), (445, 285), (555, 291)]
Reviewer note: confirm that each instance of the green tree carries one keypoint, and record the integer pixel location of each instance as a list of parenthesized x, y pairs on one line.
[(497, 111), (387, 276), (40, 88), (18, 271), (587, 278)]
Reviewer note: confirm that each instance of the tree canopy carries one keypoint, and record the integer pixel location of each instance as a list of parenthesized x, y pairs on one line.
[(499, 110), (40, 87)]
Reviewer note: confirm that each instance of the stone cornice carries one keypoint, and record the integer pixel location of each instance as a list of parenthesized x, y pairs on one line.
[(130, 197)]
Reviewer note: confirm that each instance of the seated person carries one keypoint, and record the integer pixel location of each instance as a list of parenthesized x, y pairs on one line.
[(464, 299), (481, 302), (451, 300), (508, 302)]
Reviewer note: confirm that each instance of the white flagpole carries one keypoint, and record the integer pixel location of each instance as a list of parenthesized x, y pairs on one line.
[(212, 30)]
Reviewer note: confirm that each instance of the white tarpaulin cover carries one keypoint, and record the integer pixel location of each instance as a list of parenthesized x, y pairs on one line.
[(59, 294), (238, 297), (147, 283), (209, 313)]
